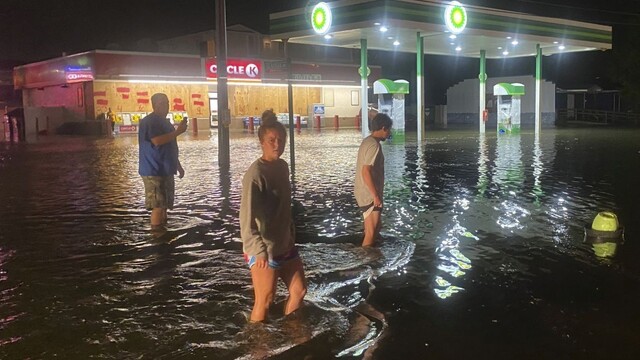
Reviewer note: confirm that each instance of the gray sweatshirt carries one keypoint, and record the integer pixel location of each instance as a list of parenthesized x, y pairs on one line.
[(266, 224)]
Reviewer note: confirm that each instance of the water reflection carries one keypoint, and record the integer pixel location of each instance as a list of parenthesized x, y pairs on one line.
[(509, 177), (538, 168)]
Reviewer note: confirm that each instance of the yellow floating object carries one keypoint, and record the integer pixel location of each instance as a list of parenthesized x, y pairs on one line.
[(604, 234), (605, 221)]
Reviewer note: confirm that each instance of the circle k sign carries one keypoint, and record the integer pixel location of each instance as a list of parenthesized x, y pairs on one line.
[(236, 68)]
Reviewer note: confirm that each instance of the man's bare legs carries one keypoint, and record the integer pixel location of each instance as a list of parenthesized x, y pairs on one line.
[(158, 217), (372, 225)]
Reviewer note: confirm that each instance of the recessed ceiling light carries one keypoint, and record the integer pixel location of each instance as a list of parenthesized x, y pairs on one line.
[(505, 53), (328, 36), (561, 47), (452, 36), (383, 29), (555, 42), (514, 42), (390, 37), (458, 48), (499, 47), (376, 23), (396, 43), (452, 43), (508, 37)]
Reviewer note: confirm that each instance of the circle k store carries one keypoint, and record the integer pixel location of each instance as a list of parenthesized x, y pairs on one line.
[(82, 88)]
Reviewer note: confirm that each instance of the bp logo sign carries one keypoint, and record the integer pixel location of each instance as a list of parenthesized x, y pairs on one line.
[(321, 18), (455, 16)]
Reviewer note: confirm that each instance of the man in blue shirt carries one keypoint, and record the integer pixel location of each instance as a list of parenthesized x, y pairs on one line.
[(159, 159)]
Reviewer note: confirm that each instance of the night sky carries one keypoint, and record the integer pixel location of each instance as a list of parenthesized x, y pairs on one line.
[(33, 30)]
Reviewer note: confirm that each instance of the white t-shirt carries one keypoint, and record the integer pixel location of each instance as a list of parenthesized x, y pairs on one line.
[(370, 153)]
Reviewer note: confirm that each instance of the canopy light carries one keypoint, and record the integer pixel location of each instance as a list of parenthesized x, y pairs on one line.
[(321, 18), (455, 17)]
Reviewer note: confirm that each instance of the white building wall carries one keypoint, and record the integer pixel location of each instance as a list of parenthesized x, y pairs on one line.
[(462, 100)]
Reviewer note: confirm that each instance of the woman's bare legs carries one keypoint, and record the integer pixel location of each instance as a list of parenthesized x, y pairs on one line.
[(292, 273), (264, 288)]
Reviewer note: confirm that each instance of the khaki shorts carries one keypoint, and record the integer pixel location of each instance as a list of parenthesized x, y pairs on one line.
[(159, 192)]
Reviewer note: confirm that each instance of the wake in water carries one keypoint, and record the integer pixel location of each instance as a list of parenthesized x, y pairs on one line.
[(336, 316)]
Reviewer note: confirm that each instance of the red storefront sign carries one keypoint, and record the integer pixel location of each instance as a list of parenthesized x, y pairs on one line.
[(236, 68), (128, 129)]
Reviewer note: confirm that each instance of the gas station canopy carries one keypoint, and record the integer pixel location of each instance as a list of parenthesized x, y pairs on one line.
[(392, 25)]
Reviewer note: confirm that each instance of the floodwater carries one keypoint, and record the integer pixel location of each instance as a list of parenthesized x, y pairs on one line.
[(483, 254)]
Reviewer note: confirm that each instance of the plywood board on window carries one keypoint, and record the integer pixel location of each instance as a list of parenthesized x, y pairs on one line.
[(328, 97)]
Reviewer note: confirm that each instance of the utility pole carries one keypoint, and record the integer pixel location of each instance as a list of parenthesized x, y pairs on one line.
[(224, 115)]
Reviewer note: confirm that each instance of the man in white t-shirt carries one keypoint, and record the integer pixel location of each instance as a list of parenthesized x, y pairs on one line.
[(369, 182)]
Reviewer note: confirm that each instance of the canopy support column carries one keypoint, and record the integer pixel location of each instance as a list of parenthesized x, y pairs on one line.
[(364, 91), (482, 91), (420, 87), (538, 78)]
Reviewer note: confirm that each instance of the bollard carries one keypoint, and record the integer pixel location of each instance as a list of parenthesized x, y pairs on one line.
[(250, 124), (357, 122), (336, 122), (317, 118), (194, 125), (298, 123)]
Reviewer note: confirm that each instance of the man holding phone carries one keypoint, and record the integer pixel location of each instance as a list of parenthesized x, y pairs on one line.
[(158, 162)]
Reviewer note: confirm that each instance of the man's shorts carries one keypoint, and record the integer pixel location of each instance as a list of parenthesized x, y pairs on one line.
[(159, 192), (368, 209), (276, 262)]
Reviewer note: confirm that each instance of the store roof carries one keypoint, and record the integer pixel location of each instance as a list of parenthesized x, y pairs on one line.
[(492, 30)]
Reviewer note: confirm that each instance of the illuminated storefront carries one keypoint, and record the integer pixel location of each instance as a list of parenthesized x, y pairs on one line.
[(84, 87)]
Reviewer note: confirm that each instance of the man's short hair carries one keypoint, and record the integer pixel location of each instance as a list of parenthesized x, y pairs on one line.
[(158, 97), (381, 120)]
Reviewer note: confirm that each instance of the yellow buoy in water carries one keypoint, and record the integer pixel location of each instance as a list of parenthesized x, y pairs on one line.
[(604, 234)]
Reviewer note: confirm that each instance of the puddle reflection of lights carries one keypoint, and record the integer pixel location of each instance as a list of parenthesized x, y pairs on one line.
[(511, 215), (451, 270), (463, 203)]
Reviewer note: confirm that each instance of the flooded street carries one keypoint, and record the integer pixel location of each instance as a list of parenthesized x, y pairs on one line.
[(483, 254)]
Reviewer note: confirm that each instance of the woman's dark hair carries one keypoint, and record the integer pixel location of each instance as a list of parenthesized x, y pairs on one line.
[(380, 121), (270, 122)]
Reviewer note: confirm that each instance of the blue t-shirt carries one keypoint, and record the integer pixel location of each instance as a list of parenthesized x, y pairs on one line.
[(155, 160)]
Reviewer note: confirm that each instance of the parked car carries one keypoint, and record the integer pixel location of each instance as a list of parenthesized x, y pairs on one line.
[(256, 121), (284, 119)]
